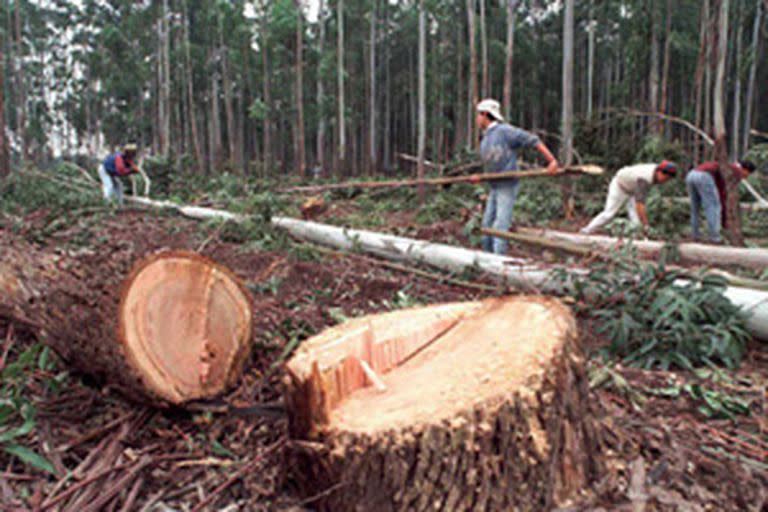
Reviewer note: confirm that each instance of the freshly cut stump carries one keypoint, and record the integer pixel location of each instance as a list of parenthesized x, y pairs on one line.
[(174, 328), (465, 406)]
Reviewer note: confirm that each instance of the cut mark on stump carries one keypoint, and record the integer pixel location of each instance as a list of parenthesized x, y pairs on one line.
[(424, 364)]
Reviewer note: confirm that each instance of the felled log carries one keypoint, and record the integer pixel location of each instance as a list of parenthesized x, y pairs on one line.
[(512, 271), (171, 328), (688, 252), (466, 406)]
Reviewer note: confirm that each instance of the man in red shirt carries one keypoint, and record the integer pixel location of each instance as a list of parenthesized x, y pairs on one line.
[(117, 166), (707, 191)]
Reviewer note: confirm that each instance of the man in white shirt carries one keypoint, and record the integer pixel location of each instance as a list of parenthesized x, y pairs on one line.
[(630, 186)]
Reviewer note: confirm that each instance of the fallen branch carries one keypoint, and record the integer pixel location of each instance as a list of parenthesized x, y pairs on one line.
[(678, 120), (757, 133), (413, 159)]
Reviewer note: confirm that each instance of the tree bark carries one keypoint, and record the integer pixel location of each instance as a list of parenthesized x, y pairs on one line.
[(488, 427), (732, 210), (340, 87), (267, 91), (422, 136), (511, 20), (372, 149), (664, 107), (129, 324), (472, 131), (5, 161), (591, 58), (736, 108), (486, 86), (321, 124), (301, 163), (21, 88), (653, 76), (192, 117), (755, 53), (567, 187), (165, 139)]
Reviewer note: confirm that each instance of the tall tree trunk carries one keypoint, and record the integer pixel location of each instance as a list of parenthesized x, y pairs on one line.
[(653, 76), (422, 93), (736, 116), (388, 94), (5, 164), (229, 110), (340, 77), (21, 88), (460, 137), (192, 116), (215, 122), (166, 83), (567, 113), (732, 210), (372, 155), (665, 66), (511, 19), (321, 124), (267, 91), (702, 67), (486, 86), (755, 53), (300, 146), (591, 57), (473, 142)]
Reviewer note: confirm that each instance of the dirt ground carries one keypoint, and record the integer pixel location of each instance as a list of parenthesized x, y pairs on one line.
[(662, 452)]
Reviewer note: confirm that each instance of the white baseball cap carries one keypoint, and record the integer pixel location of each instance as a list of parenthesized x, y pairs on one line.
[(492, 107)]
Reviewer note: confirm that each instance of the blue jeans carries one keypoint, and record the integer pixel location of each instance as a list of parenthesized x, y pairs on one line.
[(498, 214), (111, 186), (703, 193)]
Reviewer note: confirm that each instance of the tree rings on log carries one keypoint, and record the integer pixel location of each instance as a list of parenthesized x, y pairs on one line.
[(466, 406), (163, 329), (185, 323)]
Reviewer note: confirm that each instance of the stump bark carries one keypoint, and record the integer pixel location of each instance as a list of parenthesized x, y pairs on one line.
[(466, 406), (173, 328)]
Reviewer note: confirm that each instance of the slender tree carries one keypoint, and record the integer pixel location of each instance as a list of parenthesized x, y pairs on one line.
[(736, 108), (664, 106), (510, 50), (191, 115), (567, 112), (472, 92), (486, 85), (372, 89), (340, 77), (5, 164), (321, 125), (300, 146), (755, 58), (422, 136), (591, 27)]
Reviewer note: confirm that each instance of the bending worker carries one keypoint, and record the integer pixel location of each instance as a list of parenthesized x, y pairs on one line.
[(116, 166), (707, 190), (498, 150), (630, 186)]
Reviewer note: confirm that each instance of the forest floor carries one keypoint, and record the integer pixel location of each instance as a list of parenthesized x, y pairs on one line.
[(665, 448)]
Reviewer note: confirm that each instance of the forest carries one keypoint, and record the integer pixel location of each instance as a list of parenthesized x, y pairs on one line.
[(263, 255)]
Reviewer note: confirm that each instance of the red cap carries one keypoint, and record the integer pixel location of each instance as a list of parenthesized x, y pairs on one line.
[(667, 167)]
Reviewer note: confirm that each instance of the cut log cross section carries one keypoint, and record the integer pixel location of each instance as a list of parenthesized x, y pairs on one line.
[(471, 406), (174, 328), (186, 323)]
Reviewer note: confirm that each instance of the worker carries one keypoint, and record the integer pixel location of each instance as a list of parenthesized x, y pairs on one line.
[(630, 186), (498, 150), (116, 166), (707, 191)]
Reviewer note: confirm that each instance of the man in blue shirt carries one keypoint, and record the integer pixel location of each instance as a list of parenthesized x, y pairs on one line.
[(498, 151)]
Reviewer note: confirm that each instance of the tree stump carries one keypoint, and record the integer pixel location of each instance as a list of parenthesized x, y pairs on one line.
[(175, 328), (466, 406)]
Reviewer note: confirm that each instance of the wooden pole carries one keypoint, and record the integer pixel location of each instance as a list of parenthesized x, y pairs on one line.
[(533, 173)]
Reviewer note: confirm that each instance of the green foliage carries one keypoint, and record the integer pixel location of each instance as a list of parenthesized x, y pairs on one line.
[(17, 409), (654, 316), (51, 191)]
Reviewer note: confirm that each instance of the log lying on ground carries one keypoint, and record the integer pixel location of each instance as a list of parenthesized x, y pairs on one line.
[(457, 259), (174, 328), (469, 406), (511, 271), (688, 252)]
